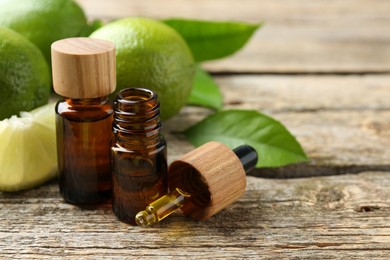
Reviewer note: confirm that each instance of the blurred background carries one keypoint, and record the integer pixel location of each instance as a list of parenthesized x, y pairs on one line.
[(322, 36)]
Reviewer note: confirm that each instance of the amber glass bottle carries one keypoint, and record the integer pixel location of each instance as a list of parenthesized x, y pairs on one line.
[(138, 153), (83, 141), (84, 73)]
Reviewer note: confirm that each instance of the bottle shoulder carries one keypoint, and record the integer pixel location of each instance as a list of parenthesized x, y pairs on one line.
[(80, 111)]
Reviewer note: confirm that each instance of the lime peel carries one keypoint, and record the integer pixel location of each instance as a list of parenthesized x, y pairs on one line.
[(152, 55)]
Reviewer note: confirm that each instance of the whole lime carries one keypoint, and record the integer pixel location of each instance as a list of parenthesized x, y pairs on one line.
[(152, 55), (43, 21), (25, 77)]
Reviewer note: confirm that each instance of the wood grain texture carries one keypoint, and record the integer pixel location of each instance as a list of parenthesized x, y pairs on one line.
[(211, 172), (322, 218), (83, 67), (342, 122), (298, 36)]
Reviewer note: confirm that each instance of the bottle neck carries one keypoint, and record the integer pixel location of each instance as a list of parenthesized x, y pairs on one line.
[(85, 110), (87, 101), (137, 123)]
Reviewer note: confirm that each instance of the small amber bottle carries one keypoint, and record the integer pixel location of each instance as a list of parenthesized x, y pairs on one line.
[(138, 153), (84, 73)]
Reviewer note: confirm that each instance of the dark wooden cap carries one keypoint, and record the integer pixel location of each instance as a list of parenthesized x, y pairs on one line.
[(213, 174)]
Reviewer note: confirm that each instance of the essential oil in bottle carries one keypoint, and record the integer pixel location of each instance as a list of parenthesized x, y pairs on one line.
[(138, 154), (202, 183), (84, 74)]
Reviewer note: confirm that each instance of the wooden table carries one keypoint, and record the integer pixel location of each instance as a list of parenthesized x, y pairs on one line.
[(320, 67)]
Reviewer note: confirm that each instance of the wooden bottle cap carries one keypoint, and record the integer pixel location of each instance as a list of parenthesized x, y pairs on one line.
[(83, 67), (214, 173)]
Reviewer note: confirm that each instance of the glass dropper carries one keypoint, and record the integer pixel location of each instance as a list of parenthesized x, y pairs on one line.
[(177, 198)]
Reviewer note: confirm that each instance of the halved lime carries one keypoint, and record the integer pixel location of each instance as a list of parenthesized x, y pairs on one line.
[(28, 155)]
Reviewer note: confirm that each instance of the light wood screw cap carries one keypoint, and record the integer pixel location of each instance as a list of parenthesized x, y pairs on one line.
[(215, 173), (83, 67)]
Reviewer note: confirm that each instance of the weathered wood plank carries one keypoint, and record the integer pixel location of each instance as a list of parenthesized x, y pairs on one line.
[(305, 94), (298, 37), (321, 218), (343, 123)]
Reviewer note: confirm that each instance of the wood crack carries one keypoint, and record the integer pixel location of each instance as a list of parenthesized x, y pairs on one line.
[(305, 245), (228, 73), (309, 170), (331, 109)]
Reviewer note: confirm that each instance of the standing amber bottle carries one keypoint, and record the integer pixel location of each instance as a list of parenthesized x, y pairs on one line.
[(84, 73), (138, 154)]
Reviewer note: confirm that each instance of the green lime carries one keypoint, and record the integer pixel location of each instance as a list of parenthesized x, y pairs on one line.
[(43, 21), (28, 155), (25, 77), (152, 55)]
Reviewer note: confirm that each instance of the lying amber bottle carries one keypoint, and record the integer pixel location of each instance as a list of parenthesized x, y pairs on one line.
[(138, 153), (84, 73)]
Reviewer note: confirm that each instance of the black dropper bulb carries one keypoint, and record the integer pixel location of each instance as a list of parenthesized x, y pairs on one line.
[(247, 155)]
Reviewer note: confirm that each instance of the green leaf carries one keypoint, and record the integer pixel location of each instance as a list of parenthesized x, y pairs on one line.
[(213, 40), (272, 141), (205, 91)]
